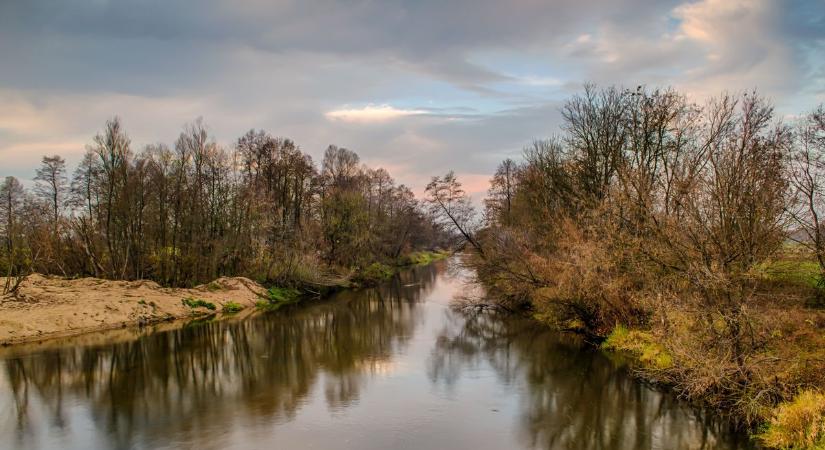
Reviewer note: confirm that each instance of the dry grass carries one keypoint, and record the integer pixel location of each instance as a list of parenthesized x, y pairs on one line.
[(687, 346), (798, 424), (644, 346)]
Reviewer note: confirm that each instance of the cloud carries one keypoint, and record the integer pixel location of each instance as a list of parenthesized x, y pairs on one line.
[(743, 45), (537, 80), (371, 114), (447, 85), (426, 36)]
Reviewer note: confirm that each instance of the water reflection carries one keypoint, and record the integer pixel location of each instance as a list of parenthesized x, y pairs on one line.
[(574, 397), (392, 367), (212, 373)]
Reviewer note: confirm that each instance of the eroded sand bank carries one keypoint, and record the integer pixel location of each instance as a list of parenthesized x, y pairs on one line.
[(52, 307)]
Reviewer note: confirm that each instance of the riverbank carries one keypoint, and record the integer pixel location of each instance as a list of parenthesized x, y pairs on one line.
[(780, 402), (377, 272), (401, 368), (49, 307), (46, 307), (775, 390)]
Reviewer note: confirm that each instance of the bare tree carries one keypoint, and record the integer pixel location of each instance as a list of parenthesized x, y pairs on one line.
[(51, 188), (596, 134), (11, 206), (807, 178), (52, 184), (187, 215), (450, 204), (499, 202)]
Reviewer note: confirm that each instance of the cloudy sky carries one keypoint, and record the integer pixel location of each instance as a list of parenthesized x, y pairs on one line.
[(416, 86)]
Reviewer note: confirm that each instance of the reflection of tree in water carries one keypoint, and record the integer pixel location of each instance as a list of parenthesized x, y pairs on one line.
[(575, 397), (214, 373)]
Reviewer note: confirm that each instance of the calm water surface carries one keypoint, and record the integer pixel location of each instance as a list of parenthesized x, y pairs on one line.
[(390, 368)]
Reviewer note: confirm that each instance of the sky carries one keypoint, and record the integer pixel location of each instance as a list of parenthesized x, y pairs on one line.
[(418, 87)]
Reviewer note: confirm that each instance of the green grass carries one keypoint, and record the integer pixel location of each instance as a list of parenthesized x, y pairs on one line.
[(423, 258), (642, 345), (277, 297), (197, 303), (375, 272), (378, 272), (792, 271), (232, 307), (282, 295)]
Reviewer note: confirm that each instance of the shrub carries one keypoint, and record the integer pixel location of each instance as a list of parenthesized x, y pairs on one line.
[(798, 424), (197, 303), (374, 273), (232, 307)]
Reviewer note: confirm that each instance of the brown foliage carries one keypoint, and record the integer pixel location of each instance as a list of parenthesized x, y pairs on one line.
[(655, 213)]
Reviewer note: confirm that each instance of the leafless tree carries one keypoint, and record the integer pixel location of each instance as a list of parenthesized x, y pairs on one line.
[(450, 204), (807, 177)]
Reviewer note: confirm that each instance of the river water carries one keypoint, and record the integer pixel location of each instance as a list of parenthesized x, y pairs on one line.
[(387, 368)]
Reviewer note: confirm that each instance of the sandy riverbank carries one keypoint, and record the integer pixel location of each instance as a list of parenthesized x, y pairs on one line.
[(53, 307)]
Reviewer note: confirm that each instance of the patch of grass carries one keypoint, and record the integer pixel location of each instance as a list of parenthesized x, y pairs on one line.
[(197, 303), (792, 271), (375, 272), (798, 424), (213, 286), (232, 307), (423, 258), (278, 296), (795, 270), (640, 344), (282, 295)]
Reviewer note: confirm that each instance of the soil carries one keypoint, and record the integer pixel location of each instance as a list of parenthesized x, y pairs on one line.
[(46, 307)]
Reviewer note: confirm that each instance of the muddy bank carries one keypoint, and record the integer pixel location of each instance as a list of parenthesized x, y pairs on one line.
[(52, 307)]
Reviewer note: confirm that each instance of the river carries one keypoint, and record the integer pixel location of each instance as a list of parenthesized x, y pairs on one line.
[(388, 368)]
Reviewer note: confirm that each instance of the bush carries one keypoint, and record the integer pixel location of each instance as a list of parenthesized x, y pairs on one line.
[(197, 303), (232, 307), (798, 424), (374, 273)]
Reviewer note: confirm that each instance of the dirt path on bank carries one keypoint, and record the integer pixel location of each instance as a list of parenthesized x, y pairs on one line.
[(52, 307)]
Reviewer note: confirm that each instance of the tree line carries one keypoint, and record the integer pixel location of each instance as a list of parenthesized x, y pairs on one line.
[(186, 214), (652, 212)]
